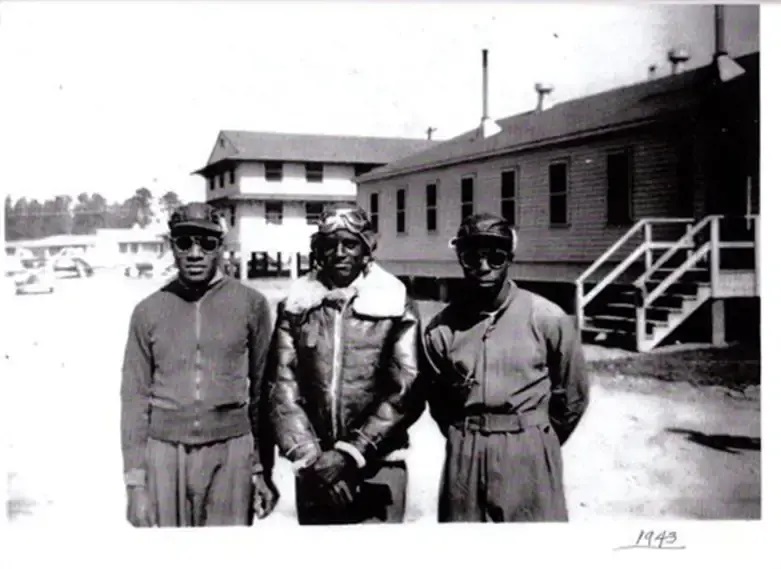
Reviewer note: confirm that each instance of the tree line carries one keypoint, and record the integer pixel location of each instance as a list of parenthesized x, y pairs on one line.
[(32, 219)]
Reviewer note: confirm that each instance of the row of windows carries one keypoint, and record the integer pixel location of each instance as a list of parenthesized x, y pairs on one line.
[(619, 195), (275, 212), (220, 179), (274, 173)]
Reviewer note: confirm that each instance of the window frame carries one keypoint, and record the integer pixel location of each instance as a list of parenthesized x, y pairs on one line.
[(566, 162), (374, 210), (401, 210), (626, 151), (272, 220), (270, 166), (432, 208), (513, 199), (471, 202), (308, 217), (316, 168)]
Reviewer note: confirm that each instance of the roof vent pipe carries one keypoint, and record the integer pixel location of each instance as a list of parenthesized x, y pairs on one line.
[(487, 126), (542, 89)]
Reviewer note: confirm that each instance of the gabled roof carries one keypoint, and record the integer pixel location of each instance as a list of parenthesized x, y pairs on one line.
[(239, 145), (618, 108)]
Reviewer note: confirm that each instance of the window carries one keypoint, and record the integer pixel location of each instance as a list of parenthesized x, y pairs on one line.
[(233, 215), (557, 184), (507, 196), (232, 176), (211, 182), (374, 210), (274, 213), (401, 219), (361, 169), (273, 171), (313, 211), (314, 172), (431, 207), (222, 180), (619, 188), (467, 196)]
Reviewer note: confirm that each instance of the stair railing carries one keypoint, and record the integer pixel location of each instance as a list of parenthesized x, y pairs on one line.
[(645, 224), (686, 242)]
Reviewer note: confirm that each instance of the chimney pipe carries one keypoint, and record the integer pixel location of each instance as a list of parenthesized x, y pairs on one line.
[(487, 126), (719, 47), (485, 84)]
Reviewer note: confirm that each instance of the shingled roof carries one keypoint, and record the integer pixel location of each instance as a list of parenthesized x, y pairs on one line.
[(627, 106), (236, 145)]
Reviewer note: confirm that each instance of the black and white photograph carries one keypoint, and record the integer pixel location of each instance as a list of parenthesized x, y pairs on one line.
[(434, 266)]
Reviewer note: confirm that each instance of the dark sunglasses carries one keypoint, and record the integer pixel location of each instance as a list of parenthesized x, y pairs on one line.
[(496, 258), (207, 243)]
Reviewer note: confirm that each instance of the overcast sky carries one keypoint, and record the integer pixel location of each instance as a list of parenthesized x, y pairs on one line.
[(109, 97)]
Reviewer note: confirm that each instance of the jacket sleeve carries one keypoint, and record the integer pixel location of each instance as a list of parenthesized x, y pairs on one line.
[(569, 377), (436, 394), (293, 431), (404, 403), (137, 370), (260, 330)]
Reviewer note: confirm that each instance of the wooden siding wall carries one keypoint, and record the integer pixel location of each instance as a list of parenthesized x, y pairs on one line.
[(655, 175)]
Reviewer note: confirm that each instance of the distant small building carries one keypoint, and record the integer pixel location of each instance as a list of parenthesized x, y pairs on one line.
[(271, 187), (106, 247)]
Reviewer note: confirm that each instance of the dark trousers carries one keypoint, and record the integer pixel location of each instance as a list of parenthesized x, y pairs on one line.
[(381, 498), (502, 476), (201, 485)]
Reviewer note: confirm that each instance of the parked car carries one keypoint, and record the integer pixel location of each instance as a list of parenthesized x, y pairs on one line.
[(38, 278)]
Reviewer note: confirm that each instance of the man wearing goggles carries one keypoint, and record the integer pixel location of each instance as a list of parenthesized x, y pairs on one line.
[(507, 387), (343, 373), (196, 444)]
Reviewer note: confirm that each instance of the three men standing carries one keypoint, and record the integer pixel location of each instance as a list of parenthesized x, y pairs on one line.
[(192, 392), (343, 375), (507, 387), (347, 372)]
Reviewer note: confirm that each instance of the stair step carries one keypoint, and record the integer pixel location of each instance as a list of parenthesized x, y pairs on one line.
[(616, 318), (628, 305)]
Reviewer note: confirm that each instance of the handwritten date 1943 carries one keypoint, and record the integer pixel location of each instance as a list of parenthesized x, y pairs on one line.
[(655, 540)]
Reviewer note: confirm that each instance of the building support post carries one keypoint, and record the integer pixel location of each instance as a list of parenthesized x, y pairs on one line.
[(718, 323), (243, 260), (295, 259)]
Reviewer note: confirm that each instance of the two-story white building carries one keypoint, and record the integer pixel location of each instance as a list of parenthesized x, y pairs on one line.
[(271, 187)]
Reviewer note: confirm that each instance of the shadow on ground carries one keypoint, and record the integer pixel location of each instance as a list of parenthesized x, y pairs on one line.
[(726, 443)]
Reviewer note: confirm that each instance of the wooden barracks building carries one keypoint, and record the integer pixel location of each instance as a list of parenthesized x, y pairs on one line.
[(635, 207)]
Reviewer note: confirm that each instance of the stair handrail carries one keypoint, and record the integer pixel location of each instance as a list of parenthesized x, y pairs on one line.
[(622, 241), (684, 241), (580, 300), (673, 277)]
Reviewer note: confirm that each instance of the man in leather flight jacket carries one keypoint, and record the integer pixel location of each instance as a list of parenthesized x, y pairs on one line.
[(343, 372)]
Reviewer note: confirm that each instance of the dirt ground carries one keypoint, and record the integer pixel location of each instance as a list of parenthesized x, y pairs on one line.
[(644, 449)]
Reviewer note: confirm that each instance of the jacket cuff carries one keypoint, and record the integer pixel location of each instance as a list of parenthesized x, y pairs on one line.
[(135, 477), (350, 449), (303, 456)]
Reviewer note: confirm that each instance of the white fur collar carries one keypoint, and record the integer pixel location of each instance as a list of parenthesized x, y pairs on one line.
[(379, 294)]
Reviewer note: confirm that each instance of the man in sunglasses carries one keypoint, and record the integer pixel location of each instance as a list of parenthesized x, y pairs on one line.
[(507, 386), (196, 444), (343, 367)]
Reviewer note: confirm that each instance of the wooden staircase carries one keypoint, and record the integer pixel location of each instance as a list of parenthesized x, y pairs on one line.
[(643, 289)]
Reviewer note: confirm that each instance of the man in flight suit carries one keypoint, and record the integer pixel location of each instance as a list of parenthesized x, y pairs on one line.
[(507, 387)]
